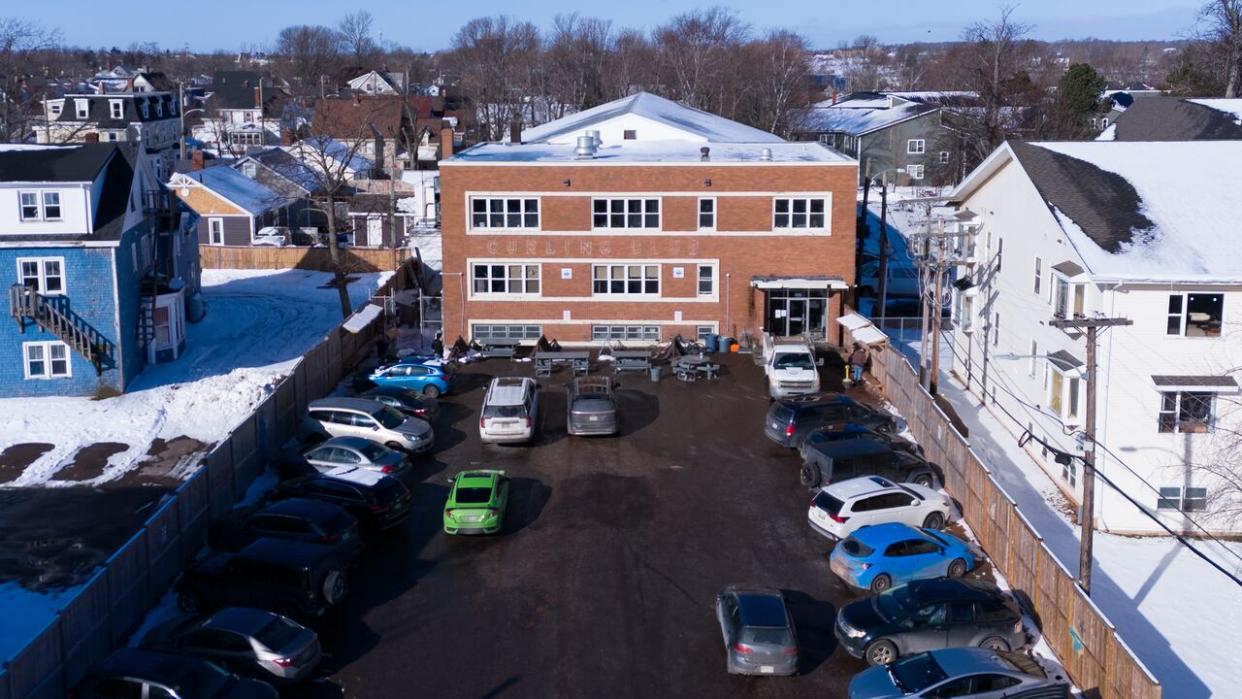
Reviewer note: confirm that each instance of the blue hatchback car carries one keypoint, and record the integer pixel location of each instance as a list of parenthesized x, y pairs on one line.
[(880, 556), (430, 380)]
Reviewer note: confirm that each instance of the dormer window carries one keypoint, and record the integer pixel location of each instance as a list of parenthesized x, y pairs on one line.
[(82, 107), (116, 108)]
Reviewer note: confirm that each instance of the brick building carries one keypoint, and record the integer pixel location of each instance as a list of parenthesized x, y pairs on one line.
[(641, 219)]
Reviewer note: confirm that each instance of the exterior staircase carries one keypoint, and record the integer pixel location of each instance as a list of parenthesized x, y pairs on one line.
[(51, 314)]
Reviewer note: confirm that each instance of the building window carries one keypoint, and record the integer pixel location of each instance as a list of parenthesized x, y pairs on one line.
[(798, 213), (112, 136), (625, 213), (1039, 275), (1067, 297), (1196, 315), (45, 275), (146, 110), (1174, 498), (1034, 358), (996, 330), (1184, 412), (944, 157), (1069, 472), (707, 213), (1063, 391), (707, 280), (702, 331), (914, 171), (29, 205), (46, 360), (916, 146), (966, 313), (629, 134), (117, 109), (51, 206), (248, 117), (82, 108), (215, 231), (497, 213), (505, 279), (489, 332), (644, 333), (159, 109), (626, 279), (56, 108)]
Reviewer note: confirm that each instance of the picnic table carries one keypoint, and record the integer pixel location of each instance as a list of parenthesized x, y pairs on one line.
[(578, 361), (692, 368), (498, 348), (631, 360)]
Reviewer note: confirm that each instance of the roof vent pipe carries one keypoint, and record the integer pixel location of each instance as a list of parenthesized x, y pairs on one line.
[(586, 147), (594, 134), (765, 154), (705, 153)]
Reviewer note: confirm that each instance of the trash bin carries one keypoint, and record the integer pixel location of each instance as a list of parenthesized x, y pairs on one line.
[(711, 343), (725, 343), (655, 374)]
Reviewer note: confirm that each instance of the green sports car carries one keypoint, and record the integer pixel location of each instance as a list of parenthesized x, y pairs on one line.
[(476, 502)]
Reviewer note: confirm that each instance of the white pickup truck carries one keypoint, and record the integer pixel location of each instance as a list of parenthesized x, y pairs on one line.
[(791, 368)]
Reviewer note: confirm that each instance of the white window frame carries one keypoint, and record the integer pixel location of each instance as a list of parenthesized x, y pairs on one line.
[(502, 272), (215, 224), (710, 279), (527, 206), (45, 349), (82, 108), (116, 109), (966, 313), (916, 146), (710, 213), (944, 157), (1183, 315), (509, 331), (644, 213), (1075, 296), (791, 214), (41, 265), (1181, 500), (609, 279), (1069, 385), (1039, 275), (624, 332), (915, 171), (1163, 409), (21, 205), (1034, 368), (45, 206)]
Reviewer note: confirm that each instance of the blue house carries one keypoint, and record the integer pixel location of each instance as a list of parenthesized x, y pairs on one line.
[(105, 270)]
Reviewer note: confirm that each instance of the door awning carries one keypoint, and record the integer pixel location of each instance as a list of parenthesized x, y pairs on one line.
[(815, 282), (1198, 384), (862, 330)]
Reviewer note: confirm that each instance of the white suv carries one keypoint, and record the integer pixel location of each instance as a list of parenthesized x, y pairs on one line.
[(371, 420), (842, 507), (510, 410)]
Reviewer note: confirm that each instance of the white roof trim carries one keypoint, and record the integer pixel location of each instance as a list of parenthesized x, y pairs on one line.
[(799, 283)]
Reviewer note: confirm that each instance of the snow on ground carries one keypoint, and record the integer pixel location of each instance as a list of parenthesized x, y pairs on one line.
[(258, 324)]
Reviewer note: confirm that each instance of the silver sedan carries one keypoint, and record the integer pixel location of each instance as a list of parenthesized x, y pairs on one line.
[(359, 453)]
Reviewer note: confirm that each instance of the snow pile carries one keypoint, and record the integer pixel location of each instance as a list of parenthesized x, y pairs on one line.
[(258, 324), (1233, 107)]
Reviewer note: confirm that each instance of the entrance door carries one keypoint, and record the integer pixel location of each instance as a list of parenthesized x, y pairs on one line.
[(375, 231), (795, 317)]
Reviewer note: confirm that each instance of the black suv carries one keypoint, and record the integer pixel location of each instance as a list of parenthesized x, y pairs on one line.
[(379, 503), (131, 673), (853, 430), (829, 462), (300, 519), (295, 578), (790, 420)]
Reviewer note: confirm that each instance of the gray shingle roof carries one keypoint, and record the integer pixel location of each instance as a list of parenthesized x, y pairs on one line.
[(1175, 119)]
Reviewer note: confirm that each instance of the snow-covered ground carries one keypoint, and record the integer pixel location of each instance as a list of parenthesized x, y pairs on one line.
[(258, 324)]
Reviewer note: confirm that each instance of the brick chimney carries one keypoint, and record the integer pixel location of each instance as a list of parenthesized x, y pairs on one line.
[(196, 160), (446, 142), (515, 132), (286, 137), (258, 98)]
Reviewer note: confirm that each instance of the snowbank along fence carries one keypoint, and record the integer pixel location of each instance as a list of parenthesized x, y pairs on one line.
[(292, 257), (1088, 644), (116, 598)]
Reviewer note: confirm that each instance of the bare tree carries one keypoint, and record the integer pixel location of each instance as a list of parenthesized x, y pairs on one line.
[(494, 58), (19, 105), (311, 52), (1222, 24), (574, 63), (355, 36), (776, 72), (991, 65), (697, 51), (628, 65)]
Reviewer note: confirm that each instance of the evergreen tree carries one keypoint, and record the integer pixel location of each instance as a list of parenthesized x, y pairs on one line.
[(1078, 97)]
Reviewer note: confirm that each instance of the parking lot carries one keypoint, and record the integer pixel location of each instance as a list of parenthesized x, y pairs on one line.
[(604, 580)]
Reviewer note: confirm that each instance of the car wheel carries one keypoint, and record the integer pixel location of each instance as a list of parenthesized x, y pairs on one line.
[(809, 475), (934, 520), (957, 568), (923, 479), (880, 583), (995, 643), (431, 391), (189, 602), (334, 587), (881, 653)]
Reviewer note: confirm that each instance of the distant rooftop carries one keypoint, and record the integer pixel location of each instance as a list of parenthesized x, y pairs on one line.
[(75, 163), (1176, 119), (707, 127)]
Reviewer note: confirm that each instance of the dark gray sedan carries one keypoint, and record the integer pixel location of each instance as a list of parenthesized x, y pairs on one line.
[(758, 631), (250, 642), (591, 408), (971, 673), (357, 452)]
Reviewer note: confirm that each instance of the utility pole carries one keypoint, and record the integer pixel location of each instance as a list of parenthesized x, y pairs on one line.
[(1092, 326), (181, 121), (934, 256), (882, 274), (933, 378)]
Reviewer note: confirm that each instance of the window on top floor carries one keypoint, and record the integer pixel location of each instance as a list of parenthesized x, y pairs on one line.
[(625, 213), (46, 275), (707, 213), (116, 109), (1183, 412), (630, 135), (799, 212), (1195, 315), (916, 146), (501, 213), (82, 108)]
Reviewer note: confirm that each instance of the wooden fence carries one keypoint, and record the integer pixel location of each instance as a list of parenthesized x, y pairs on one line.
[(115, 599), (318, 259), (1082, 637)]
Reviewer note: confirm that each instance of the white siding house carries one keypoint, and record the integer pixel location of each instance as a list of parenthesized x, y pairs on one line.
[(1144, 231)]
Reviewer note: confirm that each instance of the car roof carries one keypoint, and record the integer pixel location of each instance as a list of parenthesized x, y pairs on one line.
[(961, 661), (302, 507), (355, 475), (287, 552), (476, 479), (857, 487), (762, 608), (239, 619), (952, 590), (164, 668), (364, 405), (815, 400), (351, 442), (875, 535), (507, 390)]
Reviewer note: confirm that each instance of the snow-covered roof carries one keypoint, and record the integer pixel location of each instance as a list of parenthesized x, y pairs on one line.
[(1137, 211), (334, 149), (651, 152), (250, 195), (1232, 107), (357, 322), (853, 118), (696, 124)]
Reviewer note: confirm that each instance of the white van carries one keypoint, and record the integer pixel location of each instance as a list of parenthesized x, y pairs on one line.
[(510, 410), (792, 369)]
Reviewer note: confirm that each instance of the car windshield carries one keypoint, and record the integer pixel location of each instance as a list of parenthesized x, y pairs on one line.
[(207, 681), (473, 495), (278, 633), (388, 417), (936, 536), (767, 635), (856, 548), (894, 604), (372, 451), (794, 360), (916, 673), (504, 410), (827, 503)]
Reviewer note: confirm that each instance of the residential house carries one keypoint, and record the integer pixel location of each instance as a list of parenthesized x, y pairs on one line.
[(149, 118), (279, 171), (233, 209), (120, 79), (105, 276), (642, 219), (246, 110), (1177, 119), (377, 82), (379, 221), (1134, 230), (905, 136)]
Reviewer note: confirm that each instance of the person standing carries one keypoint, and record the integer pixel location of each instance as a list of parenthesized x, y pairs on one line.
[(858, 362)]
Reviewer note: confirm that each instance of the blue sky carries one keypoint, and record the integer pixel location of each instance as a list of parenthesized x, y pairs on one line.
[(232, 24)]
